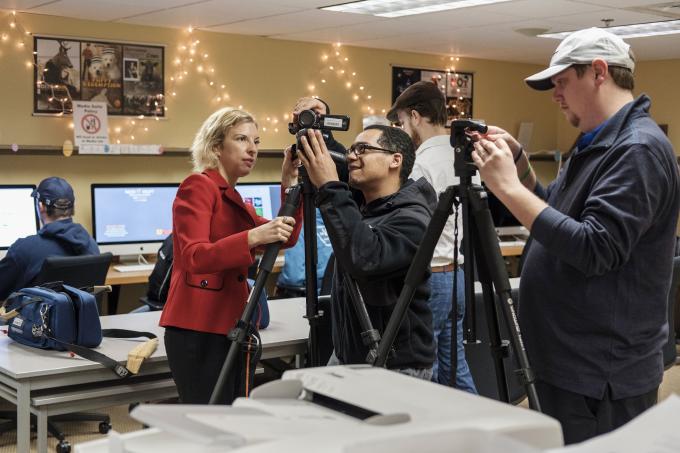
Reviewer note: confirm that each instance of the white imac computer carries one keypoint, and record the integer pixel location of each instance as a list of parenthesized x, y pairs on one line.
[(130, 220), (264, 197), (18, 215)]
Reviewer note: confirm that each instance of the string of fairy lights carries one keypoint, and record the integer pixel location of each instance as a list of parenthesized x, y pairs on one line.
[(191, 61)]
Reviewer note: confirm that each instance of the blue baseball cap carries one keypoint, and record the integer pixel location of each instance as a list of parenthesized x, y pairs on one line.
[(55, 191)]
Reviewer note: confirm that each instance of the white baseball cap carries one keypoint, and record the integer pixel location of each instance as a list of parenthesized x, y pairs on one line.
[(582, 47)]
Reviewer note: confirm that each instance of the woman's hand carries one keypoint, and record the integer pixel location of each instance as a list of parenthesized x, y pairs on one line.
[(277, 230), (289, 169)]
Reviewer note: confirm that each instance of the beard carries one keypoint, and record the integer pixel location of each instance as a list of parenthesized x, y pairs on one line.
[(573, 119), (415, 137)]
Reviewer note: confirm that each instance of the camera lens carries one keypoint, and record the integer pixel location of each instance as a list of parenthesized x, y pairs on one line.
[(306, 119)]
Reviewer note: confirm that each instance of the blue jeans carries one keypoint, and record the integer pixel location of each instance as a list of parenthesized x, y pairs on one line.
[(441, 284)]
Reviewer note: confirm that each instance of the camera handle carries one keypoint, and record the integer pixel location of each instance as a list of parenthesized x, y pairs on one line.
[(240, 332)]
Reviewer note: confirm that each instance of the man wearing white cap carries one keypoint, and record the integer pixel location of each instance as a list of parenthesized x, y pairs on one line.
[(598, 269)]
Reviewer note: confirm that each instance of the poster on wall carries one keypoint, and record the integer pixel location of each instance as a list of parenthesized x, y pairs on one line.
[(456, 86), (143, 80), (127, 77)]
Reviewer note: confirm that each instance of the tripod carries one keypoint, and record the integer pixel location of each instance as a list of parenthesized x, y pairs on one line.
[(241, 331), (480, 246)]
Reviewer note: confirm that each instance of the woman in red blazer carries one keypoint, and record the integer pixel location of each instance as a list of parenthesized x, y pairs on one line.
[(215, 237)]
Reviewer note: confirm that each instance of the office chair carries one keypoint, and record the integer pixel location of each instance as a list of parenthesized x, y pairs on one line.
[(480, 360), (670, 354), (77, 271)]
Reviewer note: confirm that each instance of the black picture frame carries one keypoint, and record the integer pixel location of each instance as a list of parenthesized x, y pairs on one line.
[(458, 88), (68, 69)]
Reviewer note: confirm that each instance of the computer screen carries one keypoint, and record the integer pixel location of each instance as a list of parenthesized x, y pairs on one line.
[(132, 218), (503, 220), (264, 197), (18, 216)]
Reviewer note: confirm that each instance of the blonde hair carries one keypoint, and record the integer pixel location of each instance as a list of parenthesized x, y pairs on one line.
[(212, 133)]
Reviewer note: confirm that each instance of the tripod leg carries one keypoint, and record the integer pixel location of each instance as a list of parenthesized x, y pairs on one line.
[(311, 298), (420, 262), (492, 261)]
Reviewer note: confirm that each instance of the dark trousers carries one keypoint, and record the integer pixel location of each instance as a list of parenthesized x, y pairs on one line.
[(583, 417), (195, 360)]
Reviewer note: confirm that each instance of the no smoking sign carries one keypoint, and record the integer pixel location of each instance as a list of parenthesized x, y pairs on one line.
[(90, 123)]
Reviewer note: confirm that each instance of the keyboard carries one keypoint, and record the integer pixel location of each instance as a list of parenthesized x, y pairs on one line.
[(133, 267)]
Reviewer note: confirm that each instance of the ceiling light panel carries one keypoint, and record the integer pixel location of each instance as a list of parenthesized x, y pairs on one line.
[(668, 27), (399, 8)]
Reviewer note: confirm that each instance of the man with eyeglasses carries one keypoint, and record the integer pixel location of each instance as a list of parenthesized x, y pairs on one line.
[(421, 111), (375, 243)]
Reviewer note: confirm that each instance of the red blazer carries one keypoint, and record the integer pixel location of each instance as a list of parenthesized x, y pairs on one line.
[(208, 288)]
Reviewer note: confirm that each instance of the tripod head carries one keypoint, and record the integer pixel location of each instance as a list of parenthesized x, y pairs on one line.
[(463, 145)]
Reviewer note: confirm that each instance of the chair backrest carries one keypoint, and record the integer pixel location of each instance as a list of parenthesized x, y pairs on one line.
[(77, 271), (669, 350), (481, 361)]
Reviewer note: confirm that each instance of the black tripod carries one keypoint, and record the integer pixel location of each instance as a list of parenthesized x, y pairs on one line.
[(480, 246), (240, 333)]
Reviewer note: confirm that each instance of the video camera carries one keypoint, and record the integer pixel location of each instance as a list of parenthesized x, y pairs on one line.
[(309, 119)]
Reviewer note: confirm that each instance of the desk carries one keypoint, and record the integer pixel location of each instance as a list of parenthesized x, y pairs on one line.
[(47, 383), (116, 279), (512, 250)]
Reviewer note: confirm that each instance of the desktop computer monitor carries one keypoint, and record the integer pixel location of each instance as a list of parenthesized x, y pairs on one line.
[(264, 197), (506, 224), (18, 215), (132, 219)]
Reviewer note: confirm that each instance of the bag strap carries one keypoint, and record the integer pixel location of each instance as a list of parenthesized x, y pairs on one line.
[(7, 315), (135, 357)]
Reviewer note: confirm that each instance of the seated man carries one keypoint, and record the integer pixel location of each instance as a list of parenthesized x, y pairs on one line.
[(374, 244), (291, 281), (59, 236)]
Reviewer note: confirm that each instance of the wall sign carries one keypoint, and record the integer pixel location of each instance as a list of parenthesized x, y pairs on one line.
[(456, 86), (127, 77)]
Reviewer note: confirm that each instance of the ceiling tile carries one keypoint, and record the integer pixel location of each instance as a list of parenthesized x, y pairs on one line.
[(308, 21), (210, 13), (105, 10)]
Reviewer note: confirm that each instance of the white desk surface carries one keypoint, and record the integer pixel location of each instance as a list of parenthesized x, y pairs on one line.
[(17, 361)]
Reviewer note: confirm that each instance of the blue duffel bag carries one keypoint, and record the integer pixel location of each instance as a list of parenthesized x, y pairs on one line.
[(53, 317), (61, 317)]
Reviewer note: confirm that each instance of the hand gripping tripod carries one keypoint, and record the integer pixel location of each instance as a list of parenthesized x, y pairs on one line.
[(480, 246)]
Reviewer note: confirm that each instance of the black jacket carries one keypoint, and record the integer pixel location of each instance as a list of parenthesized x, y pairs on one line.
[(597, 274), (376, 245)]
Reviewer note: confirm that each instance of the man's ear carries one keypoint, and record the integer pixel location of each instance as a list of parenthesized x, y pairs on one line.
[(601, 69), (397, 160), (415, 116)]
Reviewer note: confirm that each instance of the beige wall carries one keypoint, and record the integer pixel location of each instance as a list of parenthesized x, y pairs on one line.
[(267, 76)]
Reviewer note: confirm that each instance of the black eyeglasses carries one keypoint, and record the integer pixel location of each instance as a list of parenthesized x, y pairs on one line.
[(361, 148)]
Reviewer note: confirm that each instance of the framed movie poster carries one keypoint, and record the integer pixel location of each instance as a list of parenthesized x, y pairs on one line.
[(456, 86), (128, 77)]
